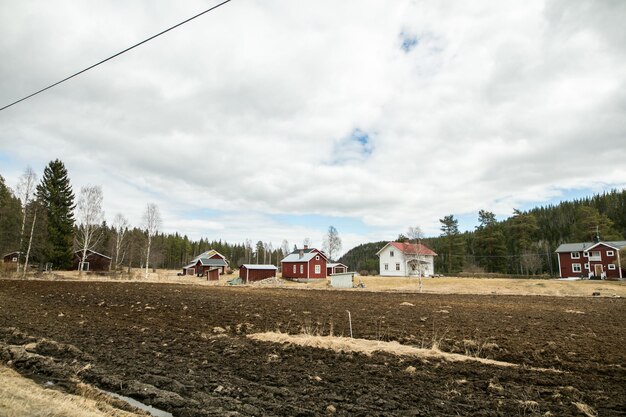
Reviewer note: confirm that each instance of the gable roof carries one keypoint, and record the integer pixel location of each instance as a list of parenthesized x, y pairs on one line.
[(258, 266), (585, 246), (336, 264), (91, 252), (410, 248), (307, 255), (208, 254), (211, 262)]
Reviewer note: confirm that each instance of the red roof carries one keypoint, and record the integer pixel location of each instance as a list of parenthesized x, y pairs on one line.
[(413, 248)]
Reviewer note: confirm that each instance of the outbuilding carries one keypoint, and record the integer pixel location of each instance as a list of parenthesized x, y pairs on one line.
[(336, 268), (250, 273), (11, 257), (213, 274), (94, 261), (342, 280)]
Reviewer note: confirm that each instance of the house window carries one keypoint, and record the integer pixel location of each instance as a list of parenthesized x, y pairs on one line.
[(294, 269), (398, 266), (317, 269), (576, 268), (386, 267), (575, 255), (14, 259), (391, 253), (302, 269), (595, 256), (587, 266), (317, 258), (586, 254), (612, 267), (610, 253)]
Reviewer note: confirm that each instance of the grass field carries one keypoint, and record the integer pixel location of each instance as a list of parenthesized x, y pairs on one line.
[(442, 285)]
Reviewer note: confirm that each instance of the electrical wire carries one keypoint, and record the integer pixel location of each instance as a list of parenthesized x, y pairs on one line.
[(115, 55)]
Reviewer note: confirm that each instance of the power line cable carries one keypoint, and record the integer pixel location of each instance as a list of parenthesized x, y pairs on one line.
[(116, 55)]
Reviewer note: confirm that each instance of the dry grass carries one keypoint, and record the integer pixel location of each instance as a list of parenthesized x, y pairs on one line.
[(368, 347), (21, 397), (444, 285), (586, 410)]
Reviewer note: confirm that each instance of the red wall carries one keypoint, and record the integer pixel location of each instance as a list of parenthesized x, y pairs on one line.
[(288, 270), (567, 261), (322, 263), (255, 274)]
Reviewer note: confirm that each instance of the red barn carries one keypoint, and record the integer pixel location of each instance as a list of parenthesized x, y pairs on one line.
[(94, 261), (250, 273), (591, 259), (304, 264)]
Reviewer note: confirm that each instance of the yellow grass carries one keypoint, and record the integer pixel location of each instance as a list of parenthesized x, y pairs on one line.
[(368, 347), (443, 285), (21, 397)]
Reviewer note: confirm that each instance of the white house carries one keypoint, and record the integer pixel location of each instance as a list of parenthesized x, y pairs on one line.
[(406, 259)]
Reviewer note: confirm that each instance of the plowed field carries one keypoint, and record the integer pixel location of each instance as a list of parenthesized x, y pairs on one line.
[(184, 349)]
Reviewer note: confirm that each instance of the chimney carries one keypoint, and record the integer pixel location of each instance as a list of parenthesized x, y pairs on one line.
[(302, 252), (306, 247)]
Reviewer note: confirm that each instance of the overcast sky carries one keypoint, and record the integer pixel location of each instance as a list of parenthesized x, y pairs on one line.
[(271, 120)]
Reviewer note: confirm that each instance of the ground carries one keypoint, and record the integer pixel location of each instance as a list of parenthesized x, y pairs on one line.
[(186, 349)]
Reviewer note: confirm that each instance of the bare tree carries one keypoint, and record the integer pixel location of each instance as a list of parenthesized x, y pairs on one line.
[(414, 259), (332, 242), (306, 241), (89, 216), (152, 222), (120, 226), (270, 249), (25, 191), (30, 242), (285, 248)]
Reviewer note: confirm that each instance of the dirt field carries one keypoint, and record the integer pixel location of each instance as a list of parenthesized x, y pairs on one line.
[(184, 349)]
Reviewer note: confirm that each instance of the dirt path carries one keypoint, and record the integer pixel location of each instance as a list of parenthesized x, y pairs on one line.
[(184, 349)]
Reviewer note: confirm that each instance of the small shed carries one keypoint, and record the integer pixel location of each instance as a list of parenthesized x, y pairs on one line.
[(251, 273), (342, 280), (213, 274), (205, 264), (94, 261), (11, 257)]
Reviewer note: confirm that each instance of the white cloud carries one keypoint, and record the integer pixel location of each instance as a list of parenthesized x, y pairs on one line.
[(250, 108)]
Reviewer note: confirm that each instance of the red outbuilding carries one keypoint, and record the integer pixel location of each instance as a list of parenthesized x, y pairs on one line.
[(336, 268), (591, 260), (304, 264), (250, 273)]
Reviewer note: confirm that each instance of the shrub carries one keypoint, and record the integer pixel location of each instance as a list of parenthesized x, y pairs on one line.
[(373, 272), (364, 272)]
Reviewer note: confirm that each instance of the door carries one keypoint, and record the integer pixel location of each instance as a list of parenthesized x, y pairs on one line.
[(597, 270)]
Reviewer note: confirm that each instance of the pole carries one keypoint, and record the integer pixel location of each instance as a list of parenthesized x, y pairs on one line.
[(350, 322)]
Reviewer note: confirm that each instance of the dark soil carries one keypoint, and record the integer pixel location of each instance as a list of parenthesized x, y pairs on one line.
[(184, 349)]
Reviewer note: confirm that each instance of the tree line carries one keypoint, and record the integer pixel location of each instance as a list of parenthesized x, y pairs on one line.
[(523, 244), (47, 224)]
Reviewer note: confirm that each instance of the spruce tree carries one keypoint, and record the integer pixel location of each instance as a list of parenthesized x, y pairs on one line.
[(10, 219), (57, 198)]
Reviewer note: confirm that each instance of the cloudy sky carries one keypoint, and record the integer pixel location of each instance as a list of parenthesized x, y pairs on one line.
[(271, 120)]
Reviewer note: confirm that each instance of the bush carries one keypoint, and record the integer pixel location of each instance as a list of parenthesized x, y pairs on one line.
[(229, 271), (364, 272), (373, 272)]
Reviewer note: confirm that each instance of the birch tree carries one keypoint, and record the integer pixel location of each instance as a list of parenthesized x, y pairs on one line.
[(30, 242), (415, 236), (89, 215), (152, 222), (25, 192), (120, 227), (332, 242)]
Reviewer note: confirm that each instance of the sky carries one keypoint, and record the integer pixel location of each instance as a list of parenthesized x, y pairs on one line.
[(270, 120)]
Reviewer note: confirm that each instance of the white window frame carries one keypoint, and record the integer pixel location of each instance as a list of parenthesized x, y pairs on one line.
[(610, 253), (586, 254), (317, 258), (612, 267), (587, 266), (318, 269), (386, 267), (302, 269), (391, 254), (595, 255), (397, 266), (294, 269), (14, 259), (575, 255), (576, 268)]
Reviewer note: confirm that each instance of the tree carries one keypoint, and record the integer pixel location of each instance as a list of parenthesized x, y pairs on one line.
[(25, 192), (306, 242), (453, 243), (57, 198), (152, 222), (90, 215), (589, 223), (414, 259), (10, 219), (260, 249), (332, 243), (523, 231), (120, 228), (490, 243), (285, 248)]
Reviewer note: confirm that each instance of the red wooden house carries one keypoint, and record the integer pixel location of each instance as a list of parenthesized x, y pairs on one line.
[(304, 264), (251, 273), (205, 261), (591, 259)]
